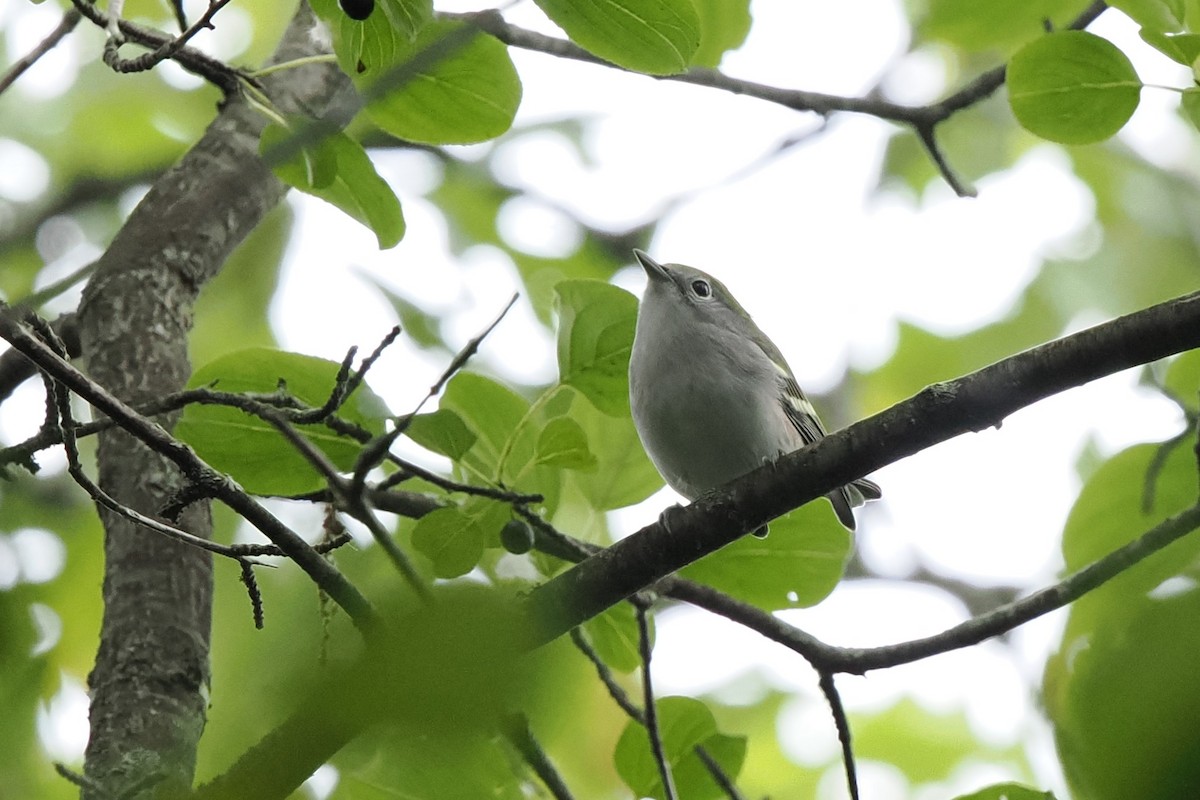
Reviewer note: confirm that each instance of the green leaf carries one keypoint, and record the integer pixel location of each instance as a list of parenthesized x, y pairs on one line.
[(369, 44), (1108, 512), (798, 564), (1008, 791), (562, 443), (1128, 648), (1072, 87), (338, 170), (1190, 105), (451, 538), (927, 746), (595, 337), (723, 27), (1153, 15), (442, 431), (492, 413), (658, 37), (977, 27), (614, 635), (1183, 378), (626, 475), (252, 451), (453, 85), (683, 724), (495, 414)]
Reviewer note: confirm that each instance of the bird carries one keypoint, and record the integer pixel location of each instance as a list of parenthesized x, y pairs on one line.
[(711, 395)]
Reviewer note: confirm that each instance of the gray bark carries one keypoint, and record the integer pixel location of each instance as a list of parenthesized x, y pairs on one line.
[(149, 683)]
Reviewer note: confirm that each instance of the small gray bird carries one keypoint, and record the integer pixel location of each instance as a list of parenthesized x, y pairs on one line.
[(712, 396)]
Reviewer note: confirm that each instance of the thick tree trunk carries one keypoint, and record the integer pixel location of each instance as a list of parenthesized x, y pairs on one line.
[(149, 682)]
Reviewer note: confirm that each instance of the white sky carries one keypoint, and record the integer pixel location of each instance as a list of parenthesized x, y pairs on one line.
[(827, 269)]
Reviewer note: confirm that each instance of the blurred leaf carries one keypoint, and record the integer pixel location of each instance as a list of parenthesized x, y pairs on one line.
[(562, 443), (996, 26), (232, 310), (927, 746), (454, 85), (798, 564), (338, 170), (980, 140), (466, 766), (1128, 650), (923, 357), (451, 539), (1008, 791), (1108, 512), (614, 635), (625, 475), (683, 724), (658, 37), (1181, 47), (493, 413), (1156, 15), (252, 451), (1072, 87), (442, 431), (1183, 378), (1189, 103), (724, 25), (595, 338), (419, 325), (542, 276)]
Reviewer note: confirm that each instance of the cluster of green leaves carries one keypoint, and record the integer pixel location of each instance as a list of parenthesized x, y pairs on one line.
[(1120, 690), (437, 80), (573, 443), (1074, 87)]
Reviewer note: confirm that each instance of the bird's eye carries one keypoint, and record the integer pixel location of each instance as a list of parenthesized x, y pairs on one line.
[(701, 288)]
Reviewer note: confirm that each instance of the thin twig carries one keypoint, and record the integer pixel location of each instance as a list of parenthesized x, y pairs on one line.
[(922, 119), (344, 593), (621, 698), (649, 707), (21, 65), (518, 733), (375, 452), (343, 496), (164, 51), (834, 699), (213, 70), (618, 694), (82, 781)]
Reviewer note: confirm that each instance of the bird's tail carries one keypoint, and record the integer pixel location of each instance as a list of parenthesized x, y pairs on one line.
[(852, 496)]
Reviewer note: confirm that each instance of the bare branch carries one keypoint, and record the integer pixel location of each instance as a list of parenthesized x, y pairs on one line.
[(164, 51), (834, 699), (650, 709), (634, 713), (516, 730), (922, 119), (21, 65), (161, 442), (377, 450), (211, 69)]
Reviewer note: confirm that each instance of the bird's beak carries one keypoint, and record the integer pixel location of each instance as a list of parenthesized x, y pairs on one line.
[(654, 270)]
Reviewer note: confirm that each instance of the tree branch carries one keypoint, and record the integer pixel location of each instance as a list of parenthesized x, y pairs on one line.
[(922, 119), (940, 412)]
